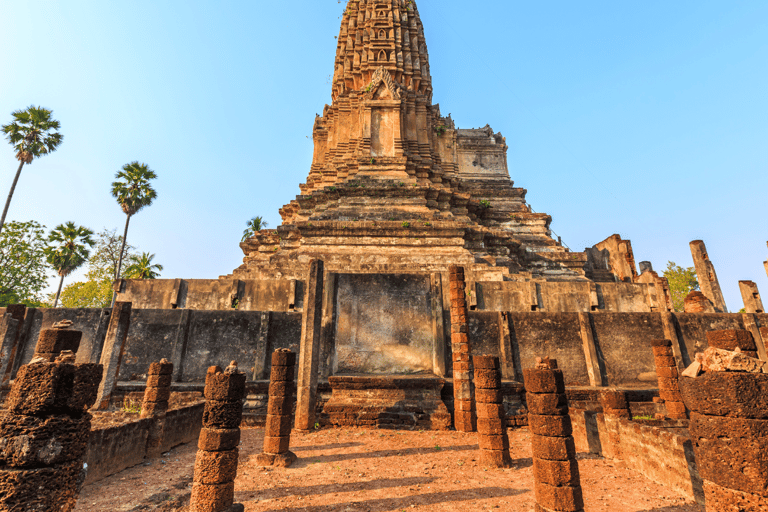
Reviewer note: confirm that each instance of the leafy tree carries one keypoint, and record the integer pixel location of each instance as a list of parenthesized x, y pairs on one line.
[(23, 272), (682, 281), (32, 134), (141, 267), (133, 192), (254, 225), (86, 294), (68, 249)]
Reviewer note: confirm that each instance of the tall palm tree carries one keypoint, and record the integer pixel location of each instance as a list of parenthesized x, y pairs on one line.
[(32, 134), (255, 225), (141, 267), (133, 192), (68, 248)]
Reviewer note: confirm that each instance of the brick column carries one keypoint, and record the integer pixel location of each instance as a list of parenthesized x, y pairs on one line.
[(45, 433), (491, 417), (463, 407), (614, 403), (729, 430), (213, 489), (155, 403), (54, 341), (277, 437), (667, 373), (558, 485)]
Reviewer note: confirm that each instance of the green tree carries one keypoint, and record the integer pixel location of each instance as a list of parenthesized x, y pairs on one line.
[(141, 267), (96, 290), (682, 281), (254, 225), (133, 191), (23, 271), (68, 248), (32, 134)]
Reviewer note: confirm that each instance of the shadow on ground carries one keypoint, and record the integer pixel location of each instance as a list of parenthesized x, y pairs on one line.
[(313, 490), (338, 457), (332, 446)]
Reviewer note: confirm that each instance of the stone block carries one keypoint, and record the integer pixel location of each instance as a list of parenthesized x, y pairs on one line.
[(462, 367), (614, 399), (486, 362), (732, 452), (556, 472), (459, 328), (85, 388), (495, 458), (662, 361), (730, 339), (153, 408), (719, 360), (280, 406), (42, 389), (661, 343), (28, 441), (668, 384), (282, 357), (461, 348), (553, 448), (462, 405), (463, 421), (159, 381), (461, 376), (161, 368), (278, 444), (458, 303), (624, 414), (547, 404), (719, 498), (282, 373), (282, 388), (278, 426), (223, 415), (494, 442), (552, 426), (212, 498), (459, 317), (216, 467), (281, 460), (670, 396), (676, 410), (663, 352), (487, 379), (157, 394), (461, 357), (734, 394), (225, 387), (54, 341), (457, 285), (489, 396), (491, 410), (543, 381), (459, 338), (215, 440), (491, 426), (566, 499), (20, 489), (670, 372)]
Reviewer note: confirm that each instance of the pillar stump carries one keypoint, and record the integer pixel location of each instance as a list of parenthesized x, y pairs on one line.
[(277, 437), (555, 469), (731, 339), (729, 430), (45, 432), (491, 416), (51, 342), (213, 487), (463, 407), (155, 404), (668, 376)]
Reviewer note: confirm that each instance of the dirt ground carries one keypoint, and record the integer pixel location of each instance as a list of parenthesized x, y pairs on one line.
[(359, 470)]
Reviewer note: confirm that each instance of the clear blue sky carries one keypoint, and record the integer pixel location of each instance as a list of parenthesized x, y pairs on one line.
[(647, 119)]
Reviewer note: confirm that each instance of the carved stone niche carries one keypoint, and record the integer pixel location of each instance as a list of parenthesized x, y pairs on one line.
[(382, 115)]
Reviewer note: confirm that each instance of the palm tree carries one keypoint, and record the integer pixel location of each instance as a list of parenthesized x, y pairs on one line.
[(133, 192), (255, 225), (141, 267), (68, 248), (32, 134)]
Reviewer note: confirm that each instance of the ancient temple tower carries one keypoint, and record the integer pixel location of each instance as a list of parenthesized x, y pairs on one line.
[(394, 186)]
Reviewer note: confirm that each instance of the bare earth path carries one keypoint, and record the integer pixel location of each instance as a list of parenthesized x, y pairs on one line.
[(358, 470)]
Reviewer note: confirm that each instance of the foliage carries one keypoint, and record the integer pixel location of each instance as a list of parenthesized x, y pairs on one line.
[(141, 267), (67, 250), (682, 281), (33, 133), (253, 226), (132, 187), (485, 204), (86, 294), (23, 271)]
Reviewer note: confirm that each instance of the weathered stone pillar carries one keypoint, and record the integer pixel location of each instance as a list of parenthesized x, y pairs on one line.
[(558, 485), (707, 277), (9, 353), (112, 354), (8, 329), (309, 353), (54, 341), (213, 488), (277, 437), (155, 404), (729, 430), (751, 297), (667, 373), (463, 405), (44, 434), (491, 416)]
